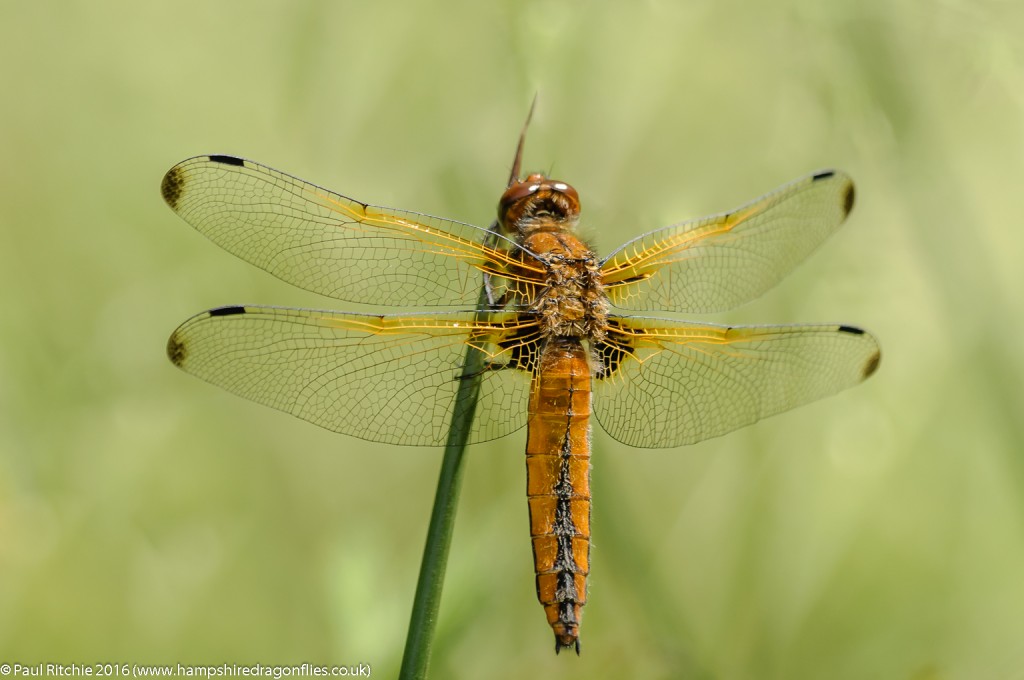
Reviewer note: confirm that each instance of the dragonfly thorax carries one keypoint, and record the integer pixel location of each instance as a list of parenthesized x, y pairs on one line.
[(572, 301)]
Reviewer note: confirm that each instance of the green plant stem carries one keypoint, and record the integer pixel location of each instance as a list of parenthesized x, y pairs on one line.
[(427, 602)]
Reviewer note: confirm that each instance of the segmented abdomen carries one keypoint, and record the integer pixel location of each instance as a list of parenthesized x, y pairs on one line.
[(558, 484)]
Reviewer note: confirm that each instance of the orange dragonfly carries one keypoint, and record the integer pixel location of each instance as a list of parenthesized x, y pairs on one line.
[(538, 325)]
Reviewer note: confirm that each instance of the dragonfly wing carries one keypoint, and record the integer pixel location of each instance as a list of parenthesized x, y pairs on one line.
[(667, 383), (716, 263), (330, 244), (389, 379)]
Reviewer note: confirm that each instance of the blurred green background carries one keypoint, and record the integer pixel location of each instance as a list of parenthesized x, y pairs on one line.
[(148, 517)]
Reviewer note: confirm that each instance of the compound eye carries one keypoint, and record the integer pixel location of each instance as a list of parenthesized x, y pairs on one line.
[(568, 190), (518, 192)]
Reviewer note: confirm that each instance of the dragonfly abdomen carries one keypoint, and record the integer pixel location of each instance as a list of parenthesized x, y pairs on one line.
[(558, 484)]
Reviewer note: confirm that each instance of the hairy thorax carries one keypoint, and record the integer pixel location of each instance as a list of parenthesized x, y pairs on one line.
[(572, 303)]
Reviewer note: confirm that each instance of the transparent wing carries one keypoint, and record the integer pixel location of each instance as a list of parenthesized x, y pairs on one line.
[(716, 263), (668, 383), (329, 244), (387, 379)]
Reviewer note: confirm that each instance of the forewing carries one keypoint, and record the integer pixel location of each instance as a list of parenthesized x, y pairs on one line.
[(387, 379), (333, 245), (668, 383), (716, 263)]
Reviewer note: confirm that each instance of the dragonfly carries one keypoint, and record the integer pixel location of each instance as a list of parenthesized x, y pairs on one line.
[(535, 310)]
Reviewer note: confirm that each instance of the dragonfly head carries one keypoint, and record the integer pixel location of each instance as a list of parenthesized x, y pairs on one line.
[(537, 202)]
